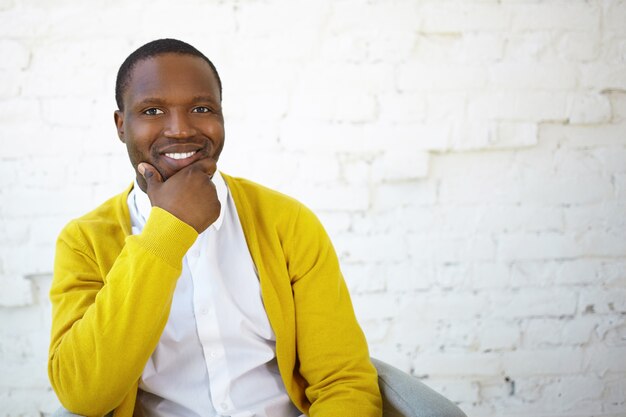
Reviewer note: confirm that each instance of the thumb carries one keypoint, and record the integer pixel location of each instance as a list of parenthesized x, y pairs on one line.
[(150, 174)]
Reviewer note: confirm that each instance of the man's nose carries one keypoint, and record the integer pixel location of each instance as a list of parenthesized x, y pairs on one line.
[(179, 126)]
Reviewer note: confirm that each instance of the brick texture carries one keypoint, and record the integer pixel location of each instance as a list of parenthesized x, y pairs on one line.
[(468, 158)]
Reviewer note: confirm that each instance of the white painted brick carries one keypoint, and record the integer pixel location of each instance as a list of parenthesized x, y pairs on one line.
[(602, 360), (614, 273), (401, 107), (15, 55), (400, 16), (618, 105), (416, 136), (542, 333), (493, 135), (497, 335), (577, 394), (603, 243), (399, 165), (443, 17), (354, 248), (615, 395), (590, 109), (520, 106), (589, 188), (614, 18), (436, 48), (605, 216), (538, 246), (416, 193), (453, 364), (583, 135), (332, 197), (386, 307), (536, 76), (603, 301), (450, 275), (356, 169), (435, 77), (574, 16), (445, 105), (526, 46), (534, 273), (343, 78), (563, 361), (364, 278), (321, 107), (502, 189), (445, 305), (418, 333), (477, 47), (16, 291), (300, 135), (532, 302), (409, 276), (603, 77), (490, 275), (391, 48), (256, 107), (28, 402), (579, 46), (451, 249)]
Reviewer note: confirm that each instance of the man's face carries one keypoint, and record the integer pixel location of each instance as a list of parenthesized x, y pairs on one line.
[(172, 114)]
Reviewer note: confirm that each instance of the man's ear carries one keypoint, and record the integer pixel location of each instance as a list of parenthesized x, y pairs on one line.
[(119, 124)]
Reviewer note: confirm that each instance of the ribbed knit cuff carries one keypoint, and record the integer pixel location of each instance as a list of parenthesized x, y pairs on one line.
[(167, 236)]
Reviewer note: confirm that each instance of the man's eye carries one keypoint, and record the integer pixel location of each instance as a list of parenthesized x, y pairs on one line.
[(201, 109), (153, 111)]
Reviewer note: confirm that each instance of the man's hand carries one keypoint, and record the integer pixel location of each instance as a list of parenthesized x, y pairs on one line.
[(189, 194)]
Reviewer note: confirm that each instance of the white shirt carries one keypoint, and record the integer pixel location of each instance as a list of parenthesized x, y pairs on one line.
[(216, 355)]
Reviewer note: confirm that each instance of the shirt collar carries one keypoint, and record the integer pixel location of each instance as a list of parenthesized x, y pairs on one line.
[(142, 201)]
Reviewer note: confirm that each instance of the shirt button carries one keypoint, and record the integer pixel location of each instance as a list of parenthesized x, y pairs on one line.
[(213, 354), (204, 311), (223, 406)]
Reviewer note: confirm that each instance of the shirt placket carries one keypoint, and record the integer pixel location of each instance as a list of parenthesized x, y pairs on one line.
[(208, 328)]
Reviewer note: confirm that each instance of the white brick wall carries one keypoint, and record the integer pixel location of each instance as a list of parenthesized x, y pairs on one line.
[(467, 157)]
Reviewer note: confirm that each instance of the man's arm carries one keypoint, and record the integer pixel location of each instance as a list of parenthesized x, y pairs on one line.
[(106, 324), (109, 313), (331, 347)]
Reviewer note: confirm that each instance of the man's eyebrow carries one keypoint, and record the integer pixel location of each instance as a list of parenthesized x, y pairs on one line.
[(195, 99), (150, 100), (203, 98)]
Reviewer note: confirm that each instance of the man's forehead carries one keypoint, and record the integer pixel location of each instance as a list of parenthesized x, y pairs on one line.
[(170, 70)]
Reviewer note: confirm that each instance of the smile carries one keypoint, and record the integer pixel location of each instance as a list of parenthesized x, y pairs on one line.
[(178, 155)]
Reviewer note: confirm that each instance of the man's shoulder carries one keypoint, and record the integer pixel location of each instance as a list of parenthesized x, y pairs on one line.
[(259, 195), (105, 220)]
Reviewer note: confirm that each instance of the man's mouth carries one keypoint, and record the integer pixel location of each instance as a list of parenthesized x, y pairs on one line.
[(180, 155)]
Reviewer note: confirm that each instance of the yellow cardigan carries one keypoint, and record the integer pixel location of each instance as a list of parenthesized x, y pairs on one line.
[(112, 291)]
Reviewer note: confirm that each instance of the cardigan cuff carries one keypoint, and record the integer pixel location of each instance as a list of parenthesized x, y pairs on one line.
[(166, 236)]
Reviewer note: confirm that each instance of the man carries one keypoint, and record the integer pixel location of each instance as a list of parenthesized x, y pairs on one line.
[(194, 293)]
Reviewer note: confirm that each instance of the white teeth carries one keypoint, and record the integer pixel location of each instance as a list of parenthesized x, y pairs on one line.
[(177, 155)]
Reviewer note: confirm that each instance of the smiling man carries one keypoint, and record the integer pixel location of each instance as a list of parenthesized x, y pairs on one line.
[(193, 293)]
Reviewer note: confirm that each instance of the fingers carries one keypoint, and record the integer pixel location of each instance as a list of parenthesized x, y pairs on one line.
[(150, 174)]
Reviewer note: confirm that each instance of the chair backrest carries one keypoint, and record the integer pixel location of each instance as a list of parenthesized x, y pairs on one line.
[(405, 396)]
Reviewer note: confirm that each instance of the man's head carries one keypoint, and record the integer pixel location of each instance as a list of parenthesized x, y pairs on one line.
[(170, 114), (149, 50)]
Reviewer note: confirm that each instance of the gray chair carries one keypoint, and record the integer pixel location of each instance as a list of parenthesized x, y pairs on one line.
[(403, 396)]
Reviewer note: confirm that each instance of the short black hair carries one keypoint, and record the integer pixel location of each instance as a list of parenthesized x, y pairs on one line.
[(152, 49)]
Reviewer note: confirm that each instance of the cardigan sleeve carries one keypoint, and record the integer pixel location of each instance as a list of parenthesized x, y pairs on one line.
[(332, 350), (106, 323)]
